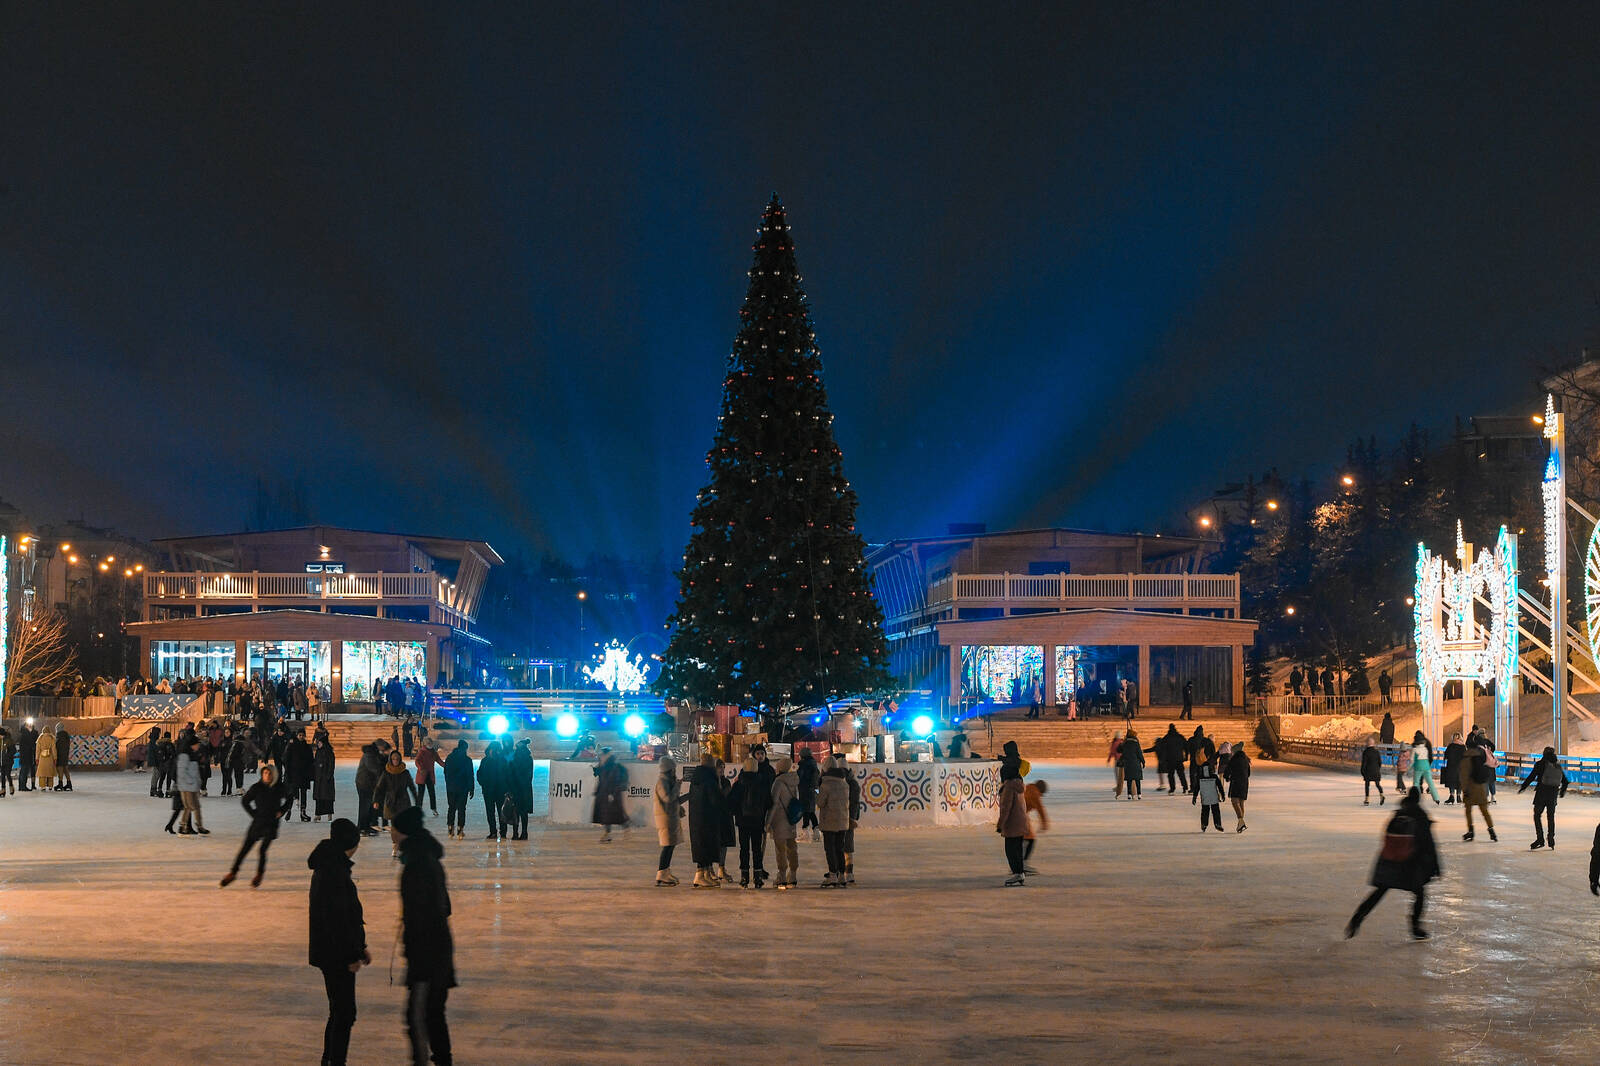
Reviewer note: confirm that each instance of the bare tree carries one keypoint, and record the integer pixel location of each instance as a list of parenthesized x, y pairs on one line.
[(40, 656)]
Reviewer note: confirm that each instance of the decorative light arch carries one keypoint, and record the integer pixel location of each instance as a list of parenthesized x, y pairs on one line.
[(1451, 644)]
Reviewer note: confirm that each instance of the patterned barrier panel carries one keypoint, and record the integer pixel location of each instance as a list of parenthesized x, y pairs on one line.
[(158, 708), (893, 795), (94, 751)]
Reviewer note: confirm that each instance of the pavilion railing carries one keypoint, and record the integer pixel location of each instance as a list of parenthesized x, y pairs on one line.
[(1153, 590)]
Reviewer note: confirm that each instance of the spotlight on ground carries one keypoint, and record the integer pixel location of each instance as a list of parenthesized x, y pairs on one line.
[(567, 725), (499, 724), (922, 725), (633, 725)]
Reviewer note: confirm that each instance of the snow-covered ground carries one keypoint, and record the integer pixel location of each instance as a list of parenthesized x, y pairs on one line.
[(1141, 940)]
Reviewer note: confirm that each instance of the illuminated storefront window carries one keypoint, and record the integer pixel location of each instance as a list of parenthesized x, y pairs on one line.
[(372, 662), (1001, 673), (297, 660), (176, 659)]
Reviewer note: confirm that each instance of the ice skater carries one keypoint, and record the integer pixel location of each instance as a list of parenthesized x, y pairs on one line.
[(1371, 773), (338, 934), (265, 802), (1114, 757), (458, 789), (1475, 776), (8, 755), (705, 820), (610, 785), (1133, 766), (63, 745), (425, 933), (1012, 825), (810, 778), (750, 798), (1402, 768), (1238, 779), (667, 800), (782, 819), (833, 814), (395, 792), (1033, 800), (1208, 793), (188, 790), (1422, 765), (1550, 784), (1408, 860), (1450, 776)]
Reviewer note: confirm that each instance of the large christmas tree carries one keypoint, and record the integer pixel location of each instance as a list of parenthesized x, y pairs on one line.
[(775, 604)]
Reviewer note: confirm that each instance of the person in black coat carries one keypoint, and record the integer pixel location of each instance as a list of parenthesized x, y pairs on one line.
[(492, 783), (1372, 771), (810, 775), (706, 807), (751, 801), (338, 942), (1386, 727), (1407, 861), (521, 772), (458, 788), (1237, 775), (1201, 750), (373, 757), (28, 754), (1451, 775), (1188, 701), (610, 785), (265, 802), (322, 770), (425, 935), (301, 772), (1550, 783)]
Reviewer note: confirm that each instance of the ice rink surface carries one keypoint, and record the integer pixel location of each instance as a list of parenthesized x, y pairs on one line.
[(1140, 940)]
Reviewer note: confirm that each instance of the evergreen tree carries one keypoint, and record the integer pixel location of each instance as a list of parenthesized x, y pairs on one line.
[(775, 606)]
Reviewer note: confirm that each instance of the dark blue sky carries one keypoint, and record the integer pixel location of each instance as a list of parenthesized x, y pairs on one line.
[(474, 269)]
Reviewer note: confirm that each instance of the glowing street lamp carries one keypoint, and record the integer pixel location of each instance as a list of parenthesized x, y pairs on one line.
[(1288, 610), (1272, 505), (1347, 481)]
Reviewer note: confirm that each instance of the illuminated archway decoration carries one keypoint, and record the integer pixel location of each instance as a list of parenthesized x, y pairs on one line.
[(616, 671), (1452, 645)]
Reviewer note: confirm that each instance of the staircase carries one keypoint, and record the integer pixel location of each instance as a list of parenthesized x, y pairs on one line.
[(1090, 738)]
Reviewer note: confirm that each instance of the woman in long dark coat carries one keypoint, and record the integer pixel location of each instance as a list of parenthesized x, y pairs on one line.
[(706, 815), (522, 788), (610, 782), (1133, 765), (322, 778)]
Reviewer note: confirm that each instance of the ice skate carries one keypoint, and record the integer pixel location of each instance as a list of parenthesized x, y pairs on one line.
[(1030, 871), (1242, 828), (1015, 881), (1467, 836), (665, 879), (255, 882), (1493, 837), (1536, 845), (228, 879)]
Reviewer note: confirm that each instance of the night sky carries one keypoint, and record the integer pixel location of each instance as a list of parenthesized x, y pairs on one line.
[(475, 271)]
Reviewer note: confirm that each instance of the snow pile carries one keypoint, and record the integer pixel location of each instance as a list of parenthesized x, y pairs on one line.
[(1342, 728)]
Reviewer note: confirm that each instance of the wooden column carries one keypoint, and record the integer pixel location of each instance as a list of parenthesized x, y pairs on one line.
[(1238, 675), (1146, 689), (955, 678), (1049, 675)]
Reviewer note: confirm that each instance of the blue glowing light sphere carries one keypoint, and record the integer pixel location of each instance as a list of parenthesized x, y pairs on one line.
[(567, 725), (499, 724), (922, 725), (633, 725)]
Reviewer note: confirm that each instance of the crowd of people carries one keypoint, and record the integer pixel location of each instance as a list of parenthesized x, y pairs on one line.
[(1193, 766)]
